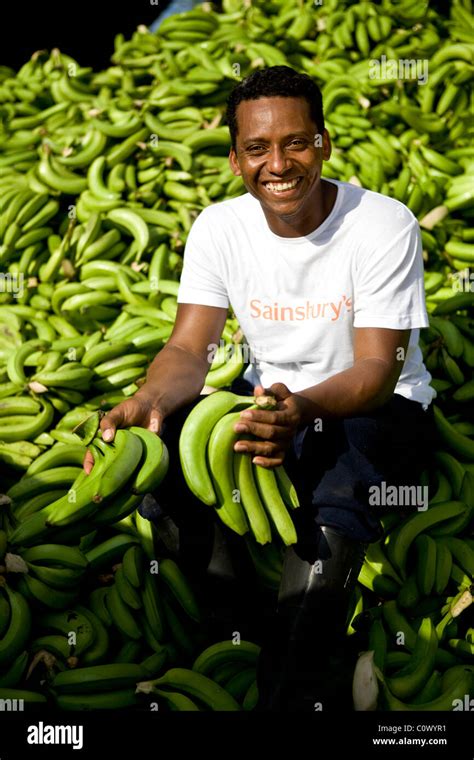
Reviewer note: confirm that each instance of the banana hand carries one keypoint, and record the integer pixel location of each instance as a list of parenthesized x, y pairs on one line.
[(140, 410)]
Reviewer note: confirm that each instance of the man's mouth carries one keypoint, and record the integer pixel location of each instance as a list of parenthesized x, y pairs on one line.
[(282, 187)]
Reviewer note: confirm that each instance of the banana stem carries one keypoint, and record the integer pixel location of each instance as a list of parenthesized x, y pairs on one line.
[(266, 402)]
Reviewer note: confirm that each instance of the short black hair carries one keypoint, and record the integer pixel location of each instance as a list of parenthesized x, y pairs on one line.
[(275, 81)]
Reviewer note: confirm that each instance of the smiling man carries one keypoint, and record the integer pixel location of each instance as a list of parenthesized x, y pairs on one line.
[(326, 281)]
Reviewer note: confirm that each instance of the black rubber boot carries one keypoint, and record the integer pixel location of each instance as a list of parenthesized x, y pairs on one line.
[(301, 666)]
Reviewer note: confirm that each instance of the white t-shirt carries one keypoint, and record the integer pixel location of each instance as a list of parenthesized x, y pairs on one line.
[(298, 299)]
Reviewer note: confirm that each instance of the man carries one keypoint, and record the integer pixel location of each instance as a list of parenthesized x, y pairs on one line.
[(326, 281)]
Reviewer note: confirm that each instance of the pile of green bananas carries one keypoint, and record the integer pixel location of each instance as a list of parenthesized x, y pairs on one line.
[(47, 377), (90, 645), (449, 354), (243, 494), (413, 587)]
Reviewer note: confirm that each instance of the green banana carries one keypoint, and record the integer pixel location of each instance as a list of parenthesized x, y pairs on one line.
[(54, 555), (413, 676), (180, 588), (58, 578), (46, 596), (109, 551), (121, 615), (16, 634), (29, 697), (220, 456), (31, 485), (98, 606), (98, 678), (199, 686), (109, 700), (226, 651), (133, 565), (457, 442), (98, 651), (126, 590), (287, 489), (72, 625), (444, 702), (444, 561), (154, 462), (152, 605), (399, 540), (426, 563), (274, 504), (13, 675), (249, 496)]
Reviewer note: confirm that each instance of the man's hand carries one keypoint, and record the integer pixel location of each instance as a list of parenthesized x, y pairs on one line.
[(140, 410), (275, 429)]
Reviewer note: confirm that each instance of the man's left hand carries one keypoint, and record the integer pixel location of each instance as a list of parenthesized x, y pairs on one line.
[(274, 428)]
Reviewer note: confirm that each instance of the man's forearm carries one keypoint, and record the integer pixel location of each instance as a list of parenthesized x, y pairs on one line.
[(357, 390), (174, 378)]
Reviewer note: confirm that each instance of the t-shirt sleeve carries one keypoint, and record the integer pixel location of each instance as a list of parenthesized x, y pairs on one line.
[(389, 288), (200, 281)]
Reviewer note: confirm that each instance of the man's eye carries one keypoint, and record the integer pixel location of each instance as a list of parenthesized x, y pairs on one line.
[(256, 148), (298, 142)]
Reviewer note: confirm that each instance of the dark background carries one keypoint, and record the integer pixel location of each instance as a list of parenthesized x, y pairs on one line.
[(84, 29)]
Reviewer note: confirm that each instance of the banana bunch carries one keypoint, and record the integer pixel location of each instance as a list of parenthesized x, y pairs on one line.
[(222, 678), (134, 464), (245, 496), (423, 569), (142, 603), (50, 575)]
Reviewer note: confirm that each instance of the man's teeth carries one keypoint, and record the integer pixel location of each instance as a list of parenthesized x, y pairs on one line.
[(279, 187)]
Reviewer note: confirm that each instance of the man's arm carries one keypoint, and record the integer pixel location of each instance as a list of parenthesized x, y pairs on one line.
[(379, 354), (175, 376)]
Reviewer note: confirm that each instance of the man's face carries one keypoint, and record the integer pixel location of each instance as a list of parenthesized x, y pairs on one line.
[(277, 158)]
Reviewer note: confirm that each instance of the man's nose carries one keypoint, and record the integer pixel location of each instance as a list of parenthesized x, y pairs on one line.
[(277, 161)]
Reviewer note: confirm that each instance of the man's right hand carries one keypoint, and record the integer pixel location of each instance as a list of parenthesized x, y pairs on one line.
[(138, 410)]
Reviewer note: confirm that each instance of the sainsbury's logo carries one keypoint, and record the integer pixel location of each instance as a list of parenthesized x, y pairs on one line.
[(330, 310)]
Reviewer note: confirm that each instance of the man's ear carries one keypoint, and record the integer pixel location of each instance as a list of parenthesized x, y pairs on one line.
[(327, 147), (234, 164)]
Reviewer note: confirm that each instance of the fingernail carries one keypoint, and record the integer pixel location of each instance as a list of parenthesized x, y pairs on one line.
[(246, 414), (241, 447), (107, 434), (240, 428)]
